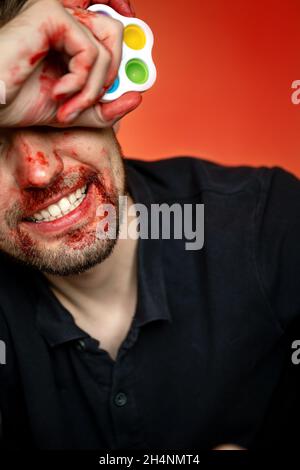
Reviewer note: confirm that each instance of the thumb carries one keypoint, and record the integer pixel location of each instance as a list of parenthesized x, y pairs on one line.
[(123, 105), (103, 115)]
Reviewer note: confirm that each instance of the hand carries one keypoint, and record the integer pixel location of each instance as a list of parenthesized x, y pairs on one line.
[(121, 6), (57, 62)]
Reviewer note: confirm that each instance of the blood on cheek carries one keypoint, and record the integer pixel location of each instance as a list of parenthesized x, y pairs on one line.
[(107, 194), (74, 153), (105, 190), (26, 243), (103, 153), (108, 184)]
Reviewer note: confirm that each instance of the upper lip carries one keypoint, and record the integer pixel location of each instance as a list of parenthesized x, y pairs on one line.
[(54, 199)]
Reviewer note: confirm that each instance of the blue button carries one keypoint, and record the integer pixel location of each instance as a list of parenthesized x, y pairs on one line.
[(114, 86)]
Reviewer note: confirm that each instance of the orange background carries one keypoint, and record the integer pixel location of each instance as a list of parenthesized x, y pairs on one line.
[(225, 69)]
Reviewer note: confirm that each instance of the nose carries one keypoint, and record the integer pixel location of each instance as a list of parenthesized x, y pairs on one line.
[(36, 164)]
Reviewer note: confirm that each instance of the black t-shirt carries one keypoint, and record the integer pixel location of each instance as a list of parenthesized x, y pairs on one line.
[(207, 359)]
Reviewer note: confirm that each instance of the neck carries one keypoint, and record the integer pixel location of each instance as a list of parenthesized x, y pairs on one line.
[(109, 286)]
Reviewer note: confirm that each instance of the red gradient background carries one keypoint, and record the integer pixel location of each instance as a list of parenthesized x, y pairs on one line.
[(225, 69)]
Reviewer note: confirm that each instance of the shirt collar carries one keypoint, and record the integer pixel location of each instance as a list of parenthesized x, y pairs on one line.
[(57, 325), (153, 302)]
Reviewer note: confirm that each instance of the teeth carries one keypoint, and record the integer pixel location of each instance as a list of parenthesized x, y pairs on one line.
[(45, 214), (72, 198), (62, 207), (54, 210)]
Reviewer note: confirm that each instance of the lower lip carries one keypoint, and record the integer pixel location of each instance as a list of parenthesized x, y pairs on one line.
[(63, 224)]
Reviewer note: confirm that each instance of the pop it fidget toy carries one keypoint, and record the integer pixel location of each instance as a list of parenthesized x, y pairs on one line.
[(137, 71)]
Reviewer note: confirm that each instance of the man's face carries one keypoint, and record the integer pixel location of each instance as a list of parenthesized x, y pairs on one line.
[(53, 183)]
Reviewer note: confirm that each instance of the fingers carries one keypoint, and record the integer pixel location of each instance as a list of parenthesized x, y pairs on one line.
[(109, 32), (123, 7), (91, 52), (122, 106), (92, 91), (83, 55), (107, 114), (101, 74), (39, 28), (75, 42), (76, 3)]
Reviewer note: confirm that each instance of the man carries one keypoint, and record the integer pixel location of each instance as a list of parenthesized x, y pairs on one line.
[(126, 341)]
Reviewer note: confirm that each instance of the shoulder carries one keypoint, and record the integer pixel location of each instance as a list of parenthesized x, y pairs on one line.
[(282, 200), (188, 176), (278, 248)]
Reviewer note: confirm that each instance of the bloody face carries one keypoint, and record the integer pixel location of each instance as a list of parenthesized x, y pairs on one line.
[(53, 185)]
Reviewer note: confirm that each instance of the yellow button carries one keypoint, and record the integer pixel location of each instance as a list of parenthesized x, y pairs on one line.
[(134, 37)]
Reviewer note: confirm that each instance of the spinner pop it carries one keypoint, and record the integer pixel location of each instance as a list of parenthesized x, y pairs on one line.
[(137, 71)]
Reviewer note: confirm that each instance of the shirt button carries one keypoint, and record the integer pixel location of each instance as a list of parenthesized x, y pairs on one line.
[(80, 345), (120, 399)]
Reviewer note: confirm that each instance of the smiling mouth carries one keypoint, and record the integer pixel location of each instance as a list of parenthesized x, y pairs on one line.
[(61, 208)]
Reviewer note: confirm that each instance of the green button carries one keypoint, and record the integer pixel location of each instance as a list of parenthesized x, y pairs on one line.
[(137, 71)]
